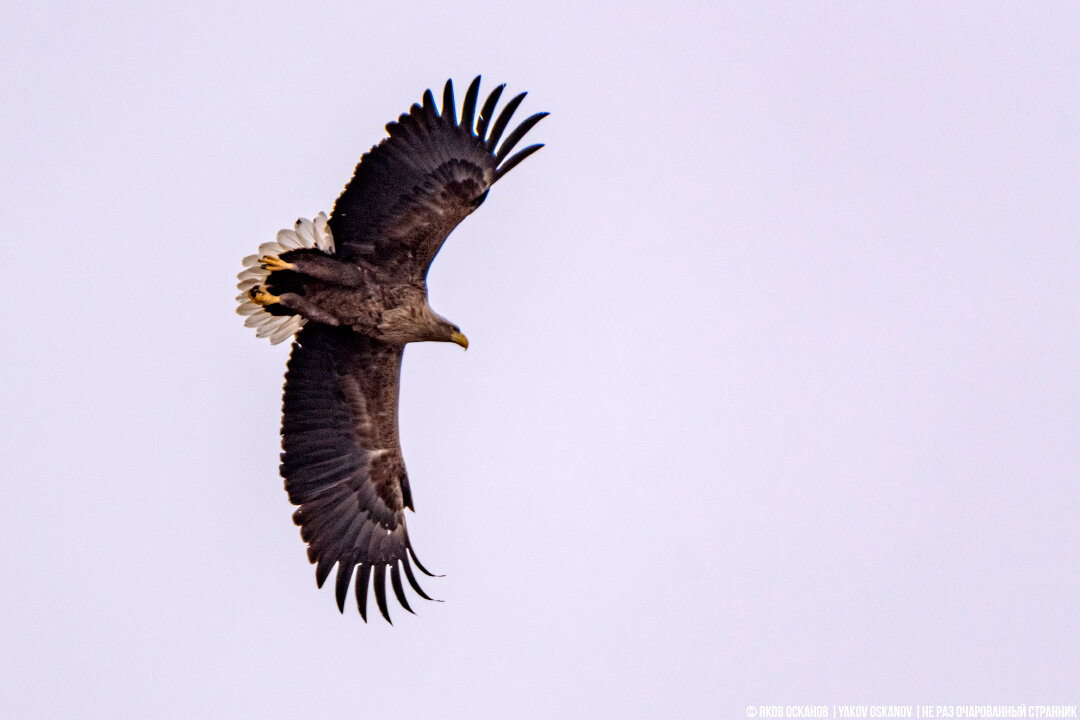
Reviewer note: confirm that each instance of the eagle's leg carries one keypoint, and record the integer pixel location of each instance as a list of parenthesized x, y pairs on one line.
[(305, 308), (318, 265), (291, 303)]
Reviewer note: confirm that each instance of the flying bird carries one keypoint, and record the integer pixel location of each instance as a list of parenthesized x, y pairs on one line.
[(351, 290)]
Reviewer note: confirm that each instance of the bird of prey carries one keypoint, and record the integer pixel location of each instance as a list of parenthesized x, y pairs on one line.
[(352, 290)]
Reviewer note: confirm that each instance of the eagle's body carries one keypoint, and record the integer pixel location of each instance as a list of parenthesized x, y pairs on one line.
[(352, 288), (366, 299)]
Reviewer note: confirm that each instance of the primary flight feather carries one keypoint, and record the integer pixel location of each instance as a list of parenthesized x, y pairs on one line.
[(352, 290)]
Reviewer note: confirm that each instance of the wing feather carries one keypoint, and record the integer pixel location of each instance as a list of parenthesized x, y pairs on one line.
[(449, 109), (515, 159), (519, 132), (501, 121), (362, 580), (419, 565), (344, 579), (411, 190), (380, 591), (468, 109), (487, 111), (412, 579), (399, 591)]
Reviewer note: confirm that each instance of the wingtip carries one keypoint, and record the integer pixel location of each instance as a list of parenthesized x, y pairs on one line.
[(504, 118), (449, 107), (380, 591), (322, 571), (517, 134), (484, 119), (412, 579), (514, 160), (468, 108), (341, 589), (420, 565), (399, 590), (429, 102), (361, 590)]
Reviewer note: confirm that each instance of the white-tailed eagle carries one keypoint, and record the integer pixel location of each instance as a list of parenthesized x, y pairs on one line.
[(352, 290)]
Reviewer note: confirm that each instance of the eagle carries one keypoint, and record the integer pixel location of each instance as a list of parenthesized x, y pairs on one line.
[(351, 291)]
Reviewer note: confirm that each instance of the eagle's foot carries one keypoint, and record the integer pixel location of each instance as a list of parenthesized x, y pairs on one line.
[(273, 263), (261, 296)]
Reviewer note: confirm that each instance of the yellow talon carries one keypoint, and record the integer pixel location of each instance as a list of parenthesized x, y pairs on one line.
[(273, 263), (261, 296)]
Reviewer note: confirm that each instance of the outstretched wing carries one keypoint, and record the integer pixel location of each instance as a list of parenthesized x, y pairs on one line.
[(342, 462), (413, 188)]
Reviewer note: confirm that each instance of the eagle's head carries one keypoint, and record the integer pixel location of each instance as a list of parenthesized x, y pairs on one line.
[(418, 323)]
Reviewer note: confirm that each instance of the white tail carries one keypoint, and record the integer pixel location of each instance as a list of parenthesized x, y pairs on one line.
[(306, 234)]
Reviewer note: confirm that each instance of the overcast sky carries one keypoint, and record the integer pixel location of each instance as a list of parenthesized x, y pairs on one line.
[(772, 394)]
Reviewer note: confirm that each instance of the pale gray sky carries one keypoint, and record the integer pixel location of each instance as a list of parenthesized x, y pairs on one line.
[(772, 397)]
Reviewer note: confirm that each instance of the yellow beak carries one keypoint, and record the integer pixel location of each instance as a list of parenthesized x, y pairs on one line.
[(459, 339)]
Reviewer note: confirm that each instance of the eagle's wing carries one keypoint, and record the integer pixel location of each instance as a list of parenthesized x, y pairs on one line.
[(413, 188), (342, 462)]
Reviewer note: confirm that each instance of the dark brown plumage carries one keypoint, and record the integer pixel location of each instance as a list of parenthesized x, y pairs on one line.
[(357, 307)]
